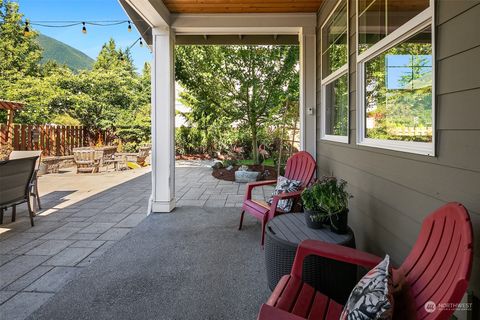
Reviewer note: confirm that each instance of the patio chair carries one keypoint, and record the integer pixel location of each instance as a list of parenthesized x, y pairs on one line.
[(16, 181), (436, 270), (106, 156), (301, 166), (87, 160), (26, 154)]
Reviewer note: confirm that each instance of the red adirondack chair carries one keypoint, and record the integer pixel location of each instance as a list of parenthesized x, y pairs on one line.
[(301, 166), (437, 269)]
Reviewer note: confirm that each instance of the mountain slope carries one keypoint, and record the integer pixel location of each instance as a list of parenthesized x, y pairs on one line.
[(64, 54)]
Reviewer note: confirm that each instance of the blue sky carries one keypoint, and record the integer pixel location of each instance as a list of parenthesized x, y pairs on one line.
[(89, 10)]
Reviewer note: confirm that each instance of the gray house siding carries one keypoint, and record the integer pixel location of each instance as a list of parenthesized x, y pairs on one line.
[(394, 191)]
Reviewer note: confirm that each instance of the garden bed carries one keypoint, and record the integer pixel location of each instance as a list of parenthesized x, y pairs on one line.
[(229, 175), (193, 157)]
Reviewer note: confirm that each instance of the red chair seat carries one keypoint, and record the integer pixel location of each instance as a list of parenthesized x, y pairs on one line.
[(301, 166), (298, 298), (257, 208)]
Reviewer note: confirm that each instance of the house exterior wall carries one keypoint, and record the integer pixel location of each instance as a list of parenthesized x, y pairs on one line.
[(394, 191)]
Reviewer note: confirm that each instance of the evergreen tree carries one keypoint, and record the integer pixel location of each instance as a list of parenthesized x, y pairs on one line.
[(19, 54)]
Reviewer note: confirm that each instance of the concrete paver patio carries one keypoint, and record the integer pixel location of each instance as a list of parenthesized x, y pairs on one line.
[(195, 186), (82, 217)]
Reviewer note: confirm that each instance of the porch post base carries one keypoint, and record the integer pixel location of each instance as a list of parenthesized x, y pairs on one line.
[(163, 206)]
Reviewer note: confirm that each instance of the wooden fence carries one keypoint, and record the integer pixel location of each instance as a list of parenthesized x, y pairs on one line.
[(54, 140)]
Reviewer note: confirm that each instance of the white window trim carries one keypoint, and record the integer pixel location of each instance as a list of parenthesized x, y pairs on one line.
[(414, 25), (332, 77)]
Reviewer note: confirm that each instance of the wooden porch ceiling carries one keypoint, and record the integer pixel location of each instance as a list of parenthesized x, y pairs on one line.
[(242, 6)]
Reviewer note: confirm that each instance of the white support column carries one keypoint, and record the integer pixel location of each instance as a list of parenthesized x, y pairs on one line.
[(163, 121), (308, 129)]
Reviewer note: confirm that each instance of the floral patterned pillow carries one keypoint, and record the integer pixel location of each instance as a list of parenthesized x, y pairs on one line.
[(285, 186), (372, 297)]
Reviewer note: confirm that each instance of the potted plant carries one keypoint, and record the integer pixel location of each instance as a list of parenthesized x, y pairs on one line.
[(315, 216), (326, 202)]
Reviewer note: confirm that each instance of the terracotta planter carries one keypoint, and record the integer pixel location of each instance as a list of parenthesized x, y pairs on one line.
[(339, 222), (315, 224)]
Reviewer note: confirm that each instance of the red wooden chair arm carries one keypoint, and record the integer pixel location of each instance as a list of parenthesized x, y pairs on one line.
[(288, 195), (252, 185), (271, 313), (282, 196), (332, 251)]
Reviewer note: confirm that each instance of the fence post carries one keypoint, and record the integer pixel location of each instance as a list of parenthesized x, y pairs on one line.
[(51, 150), (57, 136), (63, 141), (23, 137), (29, 138), (70, 139), (16, 141)]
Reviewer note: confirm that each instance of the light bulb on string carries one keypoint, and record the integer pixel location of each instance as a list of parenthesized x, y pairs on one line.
[(129, 27), (84, 28), (26, 30)]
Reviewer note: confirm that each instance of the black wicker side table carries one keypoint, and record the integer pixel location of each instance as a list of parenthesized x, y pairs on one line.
[(332, 278)]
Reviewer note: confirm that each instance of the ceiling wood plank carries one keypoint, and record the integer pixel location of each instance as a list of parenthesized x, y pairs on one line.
[(242, 6)]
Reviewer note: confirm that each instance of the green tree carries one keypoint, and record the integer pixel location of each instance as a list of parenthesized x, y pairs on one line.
[(19, 54), (100, 95), (244, 86), (133, 124), (112, 96)]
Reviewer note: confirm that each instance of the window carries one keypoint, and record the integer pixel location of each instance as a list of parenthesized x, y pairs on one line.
[(395, 75), (334, 48)]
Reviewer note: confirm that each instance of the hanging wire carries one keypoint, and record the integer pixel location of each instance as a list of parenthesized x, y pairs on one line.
[(139, 40), (72, 23)]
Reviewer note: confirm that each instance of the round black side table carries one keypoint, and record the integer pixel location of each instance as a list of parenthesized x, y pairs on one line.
[(283, 235)]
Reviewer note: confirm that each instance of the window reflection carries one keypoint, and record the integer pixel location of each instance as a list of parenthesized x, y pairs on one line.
[(398, 91), (334, 37), (337, 107), (379, 18)]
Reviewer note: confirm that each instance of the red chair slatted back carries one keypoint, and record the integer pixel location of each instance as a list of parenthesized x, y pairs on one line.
[(301, 166), (439, 265)]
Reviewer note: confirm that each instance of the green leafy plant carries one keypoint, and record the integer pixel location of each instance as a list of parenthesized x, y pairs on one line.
[(327, 196), (230, 162)]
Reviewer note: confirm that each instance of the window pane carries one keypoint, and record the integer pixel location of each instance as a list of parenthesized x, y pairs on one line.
[(398, 91), (334, 41), (379, 18), (336, 107)]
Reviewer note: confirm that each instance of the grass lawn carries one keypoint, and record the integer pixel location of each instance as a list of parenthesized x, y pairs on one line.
[(268, 162)]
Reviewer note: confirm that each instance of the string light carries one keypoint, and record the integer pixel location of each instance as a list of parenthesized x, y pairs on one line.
[(26, 30), (67, 24)]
